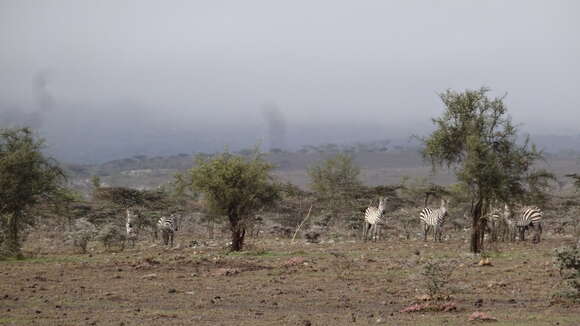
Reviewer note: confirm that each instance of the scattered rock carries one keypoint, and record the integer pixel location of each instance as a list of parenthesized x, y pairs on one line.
[(485, 262), (294, 261), (423, 297), (151, 261), (312, 236), (194, 244), (149, 276), (493, 284), (481, 316), (445, 307), (226, 271), (478, 303)]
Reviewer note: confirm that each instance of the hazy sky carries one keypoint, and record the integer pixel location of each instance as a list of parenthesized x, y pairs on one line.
[(223, 65)]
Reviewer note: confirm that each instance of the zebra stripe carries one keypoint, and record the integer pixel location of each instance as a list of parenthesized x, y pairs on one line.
[(529, 216), (168, 227), (372, 218), (434, 219), (131, 227)]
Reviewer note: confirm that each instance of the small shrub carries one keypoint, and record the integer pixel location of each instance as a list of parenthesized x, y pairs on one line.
[(83, 232), (436, 276), (408, 222), (567, 260), (111, 235)]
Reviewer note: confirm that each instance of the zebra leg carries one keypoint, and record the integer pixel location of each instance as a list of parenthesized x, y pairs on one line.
[(537, 232), (165, 236), (364, 231), (367, 231)]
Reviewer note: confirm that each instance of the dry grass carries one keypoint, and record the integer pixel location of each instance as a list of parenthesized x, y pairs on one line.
[(336, 283)]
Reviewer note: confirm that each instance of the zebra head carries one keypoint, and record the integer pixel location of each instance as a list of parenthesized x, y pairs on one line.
[(507, 213), (382, 205), (176, 218), (444, 204)]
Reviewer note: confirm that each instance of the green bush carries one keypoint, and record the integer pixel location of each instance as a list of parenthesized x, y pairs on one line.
[(436, 276), (112, 235), (84, 232), (567, 260)]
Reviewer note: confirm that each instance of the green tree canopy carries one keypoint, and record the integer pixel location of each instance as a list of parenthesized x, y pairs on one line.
[(27, 177), (476, 137), (335, 176), (235, 186)]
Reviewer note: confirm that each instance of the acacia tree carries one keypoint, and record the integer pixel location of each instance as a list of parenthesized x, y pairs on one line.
[(26, 178), (235, 186), (334, 176), (476, 137), (576, 178), (336, 181)]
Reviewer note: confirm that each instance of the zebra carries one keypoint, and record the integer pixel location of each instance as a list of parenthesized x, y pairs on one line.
[(372, 218), (130, 225), (506, 226), (168, 226), (434, 219), (530, 216)]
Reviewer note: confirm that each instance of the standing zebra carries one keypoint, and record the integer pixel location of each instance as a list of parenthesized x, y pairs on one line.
[(506, 226), (130, 225), (372, 219), (168, 226), (529, 216), (434, 219)]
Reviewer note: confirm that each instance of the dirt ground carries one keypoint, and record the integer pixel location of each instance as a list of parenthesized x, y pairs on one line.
[(274, 282)]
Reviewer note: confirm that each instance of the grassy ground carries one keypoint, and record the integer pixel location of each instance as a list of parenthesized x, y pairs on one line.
[(276, 282)]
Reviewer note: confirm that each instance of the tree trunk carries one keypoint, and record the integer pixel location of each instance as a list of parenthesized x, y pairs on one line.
[(475, 246), (12, 244), (238, 239), (238, 232)]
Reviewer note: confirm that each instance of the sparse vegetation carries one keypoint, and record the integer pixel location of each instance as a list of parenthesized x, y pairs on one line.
[(436, 276), (335, 177), (475, 136), (83, 232), (235, 186), (112, 236), (567, 260), (326, 267), (27, 177)]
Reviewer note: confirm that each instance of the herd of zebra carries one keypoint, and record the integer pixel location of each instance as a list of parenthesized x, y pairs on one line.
[(507, 221), (432, 219)]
